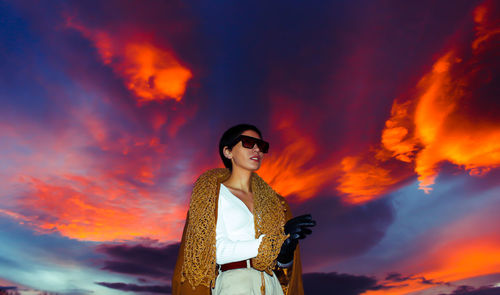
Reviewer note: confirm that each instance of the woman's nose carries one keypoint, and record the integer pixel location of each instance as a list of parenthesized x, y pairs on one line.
[(256, 147)]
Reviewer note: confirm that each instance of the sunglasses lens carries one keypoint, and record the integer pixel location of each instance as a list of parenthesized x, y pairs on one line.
[(263, 146), (249, 142)]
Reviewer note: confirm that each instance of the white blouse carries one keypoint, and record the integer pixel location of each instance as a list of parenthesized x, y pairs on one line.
[(235, 231)]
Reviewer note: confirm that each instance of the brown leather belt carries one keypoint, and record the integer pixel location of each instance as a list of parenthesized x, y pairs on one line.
[(235, 265)]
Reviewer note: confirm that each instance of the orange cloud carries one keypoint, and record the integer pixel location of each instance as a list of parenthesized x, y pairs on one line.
[(362, 181), (396, 136), (290, 171), (150, 72), (442, 125), (466, 258), (454, 257), (399, 288), (459, 250), (81, 208), (287, 170), (449, 262), (91, 180), (371, 174), (153, 73), (293, 177), (436, 125)]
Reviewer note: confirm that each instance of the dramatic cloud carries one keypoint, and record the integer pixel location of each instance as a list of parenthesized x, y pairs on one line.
[(287, 170), (334, 283), (35, 262), (93, 162), (93, 209), (468, 290), (363, 179), (141, 260), (447, 119), (144, 262), (444, 247), (151, 73), (398, 281), (137, 288), (83, 158)]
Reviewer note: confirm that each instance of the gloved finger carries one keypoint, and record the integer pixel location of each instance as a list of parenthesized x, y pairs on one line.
[(307, 223), (300, 222), (299, 230), (306, 231), (294, 230), (300, 236), (301, 218), (290, 227), (298, 227)]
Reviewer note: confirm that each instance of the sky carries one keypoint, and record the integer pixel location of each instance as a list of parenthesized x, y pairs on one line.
[(383, 119)]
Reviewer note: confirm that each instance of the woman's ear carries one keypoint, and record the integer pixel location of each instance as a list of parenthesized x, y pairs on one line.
[(227, 152)]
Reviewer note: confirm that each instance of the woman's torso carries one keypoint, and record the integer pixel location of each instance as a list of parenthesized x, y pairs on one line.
[(238, 223)]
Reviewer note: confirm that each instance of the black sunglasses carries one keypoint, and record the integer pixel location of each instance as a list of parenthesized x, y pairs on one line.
[(248, 142)]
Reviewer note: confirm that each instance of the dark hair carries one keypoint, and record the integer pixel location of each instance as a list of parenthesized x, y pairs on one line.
[(229, 136)]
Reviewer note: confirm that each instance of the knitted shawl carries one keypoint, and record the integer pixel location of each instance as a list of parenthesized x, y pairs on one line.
[(199, 265)]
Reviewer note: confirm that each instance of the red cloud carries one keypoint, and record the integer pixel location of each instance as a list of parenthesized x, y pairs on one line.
[(437, 124), (288, 170), (91, 180), (151, 72), (446, 255), (97, 210)]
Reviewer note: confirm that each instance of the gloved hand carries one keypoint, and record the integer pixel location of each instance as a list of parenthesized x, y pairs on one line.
[(298, 228)]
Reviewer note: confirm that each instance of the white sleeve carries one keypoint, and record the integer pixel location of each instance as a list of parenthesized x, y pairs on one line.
[(230, 251)]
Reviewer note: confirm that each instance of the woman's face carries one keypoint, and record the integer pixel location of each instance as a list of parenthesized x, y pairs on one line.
[(248, 159)]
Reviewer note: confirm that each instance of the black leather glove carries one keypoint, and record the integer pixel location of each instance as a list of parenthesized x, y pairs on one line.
[(298, 228)]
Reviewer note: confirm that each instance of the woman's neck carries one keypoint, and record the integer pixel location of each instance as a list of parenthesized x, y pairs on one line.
[(239, 179)]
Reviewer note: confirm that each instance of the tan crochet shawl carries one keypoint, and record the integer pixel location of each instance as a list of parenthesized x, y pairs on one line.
[(196, 262)]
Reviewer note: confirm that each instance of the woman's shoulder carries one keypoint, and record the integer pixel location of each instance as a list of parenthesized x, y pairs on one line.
[(212, 174), (207, 182)]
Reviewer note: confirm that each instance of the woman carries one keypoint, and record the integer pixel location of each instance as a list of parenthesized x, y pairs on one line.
[(239, 237)]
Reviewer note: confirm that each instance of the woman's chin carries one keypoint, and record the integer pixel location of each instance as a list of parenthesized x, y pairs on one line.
[(253, 167), (256, 168), (250, 166)]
